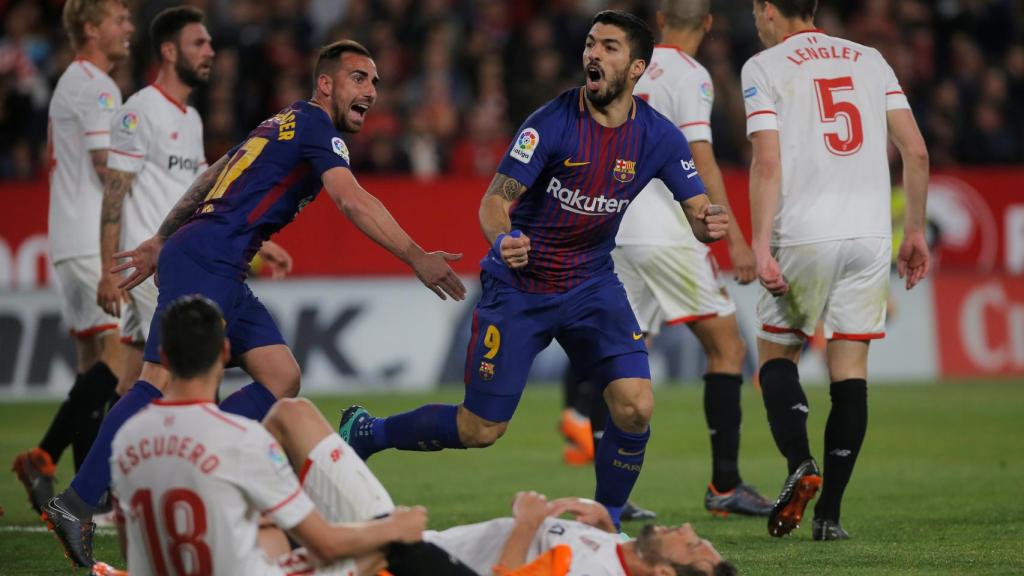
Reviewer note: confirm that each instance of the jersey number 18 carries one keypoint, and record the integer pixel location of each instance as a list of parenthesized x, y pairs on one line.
[(184, 518)]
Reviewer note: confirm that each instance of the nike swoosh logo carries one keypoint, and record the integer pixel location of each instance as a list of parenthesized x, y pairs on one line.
[(638, 335), (570, 164), (625, 453), (63, 511)]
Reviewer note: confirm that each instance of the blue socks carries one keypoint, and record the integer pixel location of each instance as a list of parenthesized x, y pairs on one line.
[(617, 463), (252, 401), (426, 429), (93, 477)]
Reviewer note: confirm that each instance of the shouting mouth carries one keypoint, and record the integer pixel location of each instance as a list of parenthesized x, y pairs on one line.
[(595, 76)]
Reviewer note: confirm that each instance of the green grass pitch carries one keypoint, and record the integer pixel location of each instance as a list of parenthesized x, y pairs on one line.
[(939, 488)]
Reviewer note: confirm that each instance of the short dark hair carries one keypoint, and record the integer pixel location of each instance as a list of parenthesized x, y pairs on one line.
[(330, 57), (168, 24), (803, 9), (638, 33), (723, 568), (192, 335)]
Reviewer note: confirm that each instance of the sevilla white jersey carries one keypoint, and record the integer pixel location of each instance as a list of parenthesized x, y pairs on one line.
[(192, 482), (160, 141), (827, 98), (680, 88), (84, 102), (594, 551)]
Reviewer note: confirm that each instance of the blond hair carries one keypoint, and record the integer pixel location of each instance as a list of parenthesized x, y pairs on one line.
[(685, 14), (78, 13)]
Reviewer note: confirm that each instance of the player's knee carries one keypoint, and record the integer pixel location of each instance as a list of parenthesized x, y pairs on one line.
[(731, 353), (475, 432), (633, 415), (289, 410)]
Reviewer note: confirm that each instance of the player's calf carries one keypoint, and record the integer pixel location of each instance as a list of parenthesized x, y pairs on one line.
[(477, 432)]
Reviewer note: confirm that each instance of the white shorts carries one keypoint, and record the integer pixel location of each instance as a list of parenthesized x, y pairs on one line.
[(340, 485), (844, 283), (137, 315), (77, 279), (671, 284)]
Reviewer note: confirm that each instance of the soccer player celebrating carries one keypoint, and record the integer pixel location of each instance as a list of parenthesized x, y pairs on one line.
[(820, 113), (668, 275), (83, 105), (550, 214), (206, 242)]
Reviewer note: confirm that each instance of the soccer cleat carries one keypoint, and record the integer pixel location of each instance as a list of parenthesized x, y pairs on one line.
[(742, 499), (104, 569), (35, 470), (74, 535), (799, 489), (824, 530), (356, 429), (632, 512), (575, 428)]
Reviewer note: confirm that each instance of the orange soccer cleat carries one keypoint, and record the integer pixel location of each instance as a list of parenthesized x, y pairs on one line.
[(35, 470), (579, 448)]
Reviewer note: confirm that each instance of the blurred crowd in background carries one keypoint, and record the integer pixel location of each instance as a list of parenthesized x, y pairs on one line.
[(459, 76)]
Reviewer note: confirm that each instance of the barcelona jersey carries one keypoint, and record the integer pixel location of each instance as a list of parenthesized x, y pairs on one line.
[(269, 178), (580, 178)]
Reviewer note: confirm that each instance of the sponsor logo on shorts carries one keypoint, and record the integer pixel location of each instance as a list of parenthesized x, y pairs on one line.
[(525, 144), (579, 203), (335, 454), (486, 371), (624, 170), (638, 335), (750, 92)]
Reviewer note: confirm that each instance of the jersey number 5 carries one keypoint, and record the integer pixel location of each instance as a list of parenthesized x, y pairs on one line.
[(184, 518), (831, 112)]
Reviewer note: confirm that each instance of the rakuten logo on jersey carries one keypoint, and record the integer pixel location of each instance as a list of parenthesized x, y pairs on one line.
[(579, 203)]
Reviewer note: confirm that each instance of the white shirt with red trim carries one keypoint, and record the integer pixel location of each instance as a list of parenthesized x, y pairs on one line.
[(192, 481), (827, 98), (160, 140), (83, 104), (680, 88), (594, 551)]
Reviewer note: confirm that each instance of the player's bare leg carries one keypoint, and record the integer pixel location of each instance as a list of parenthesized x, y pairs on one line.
[(131, 367), (787, 408), (275, 375), (725, 350), (477, 432), (620, 454), (844, 431)]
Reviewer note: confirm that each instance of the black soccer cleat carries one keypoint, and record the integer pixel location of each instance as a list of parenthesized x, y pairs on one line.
[(824, 530), (800, 488), (35, 470), (74, 535), (743, 499), (631, 512)]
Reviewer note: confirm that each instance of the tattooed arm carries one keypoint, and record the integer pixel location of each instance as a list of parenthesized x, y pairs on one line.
[(143, 258), (494, 220), (191, 200), (116, 185), (99, 164)]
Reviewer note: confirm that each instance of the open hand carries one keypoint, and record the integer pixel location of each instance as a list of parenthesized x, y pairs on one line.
[(433, 270), (142, 261)]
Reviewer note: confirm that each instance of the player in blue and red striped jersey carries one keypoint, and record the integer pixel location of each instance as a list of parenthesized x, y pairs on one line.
[(205, 244), (551, 213)]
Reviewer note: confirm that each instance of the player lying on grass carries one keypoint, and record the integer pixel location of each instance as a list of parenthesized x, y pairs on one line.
[(192, 481), (536, 542)]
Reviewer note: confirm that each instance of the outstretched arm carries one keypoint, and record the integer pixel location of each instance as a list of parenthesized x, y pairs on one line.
[(115, 187), (143, 258), (912, 260), (495, 223), (374, 220)]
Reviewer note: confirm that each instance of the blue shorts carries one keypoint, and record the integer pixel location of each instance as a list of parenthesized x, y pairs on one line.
[(249, 324), (592, 322)]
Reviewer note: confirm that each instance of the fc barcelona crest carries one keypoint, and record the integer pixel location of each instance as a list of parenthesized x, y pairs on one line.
[(625, 170), (486, 371)]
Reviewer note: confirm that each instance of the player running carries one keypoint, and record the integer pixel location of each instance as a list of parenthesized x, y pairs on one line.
[(206, 242), (551, 213), (83, 105), (672, 278), (820, 113)]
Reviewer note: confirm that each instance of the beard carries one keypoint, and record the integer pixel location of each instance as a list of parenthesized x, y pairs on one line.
[(188, 74), (648, 544), (615, 85)]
